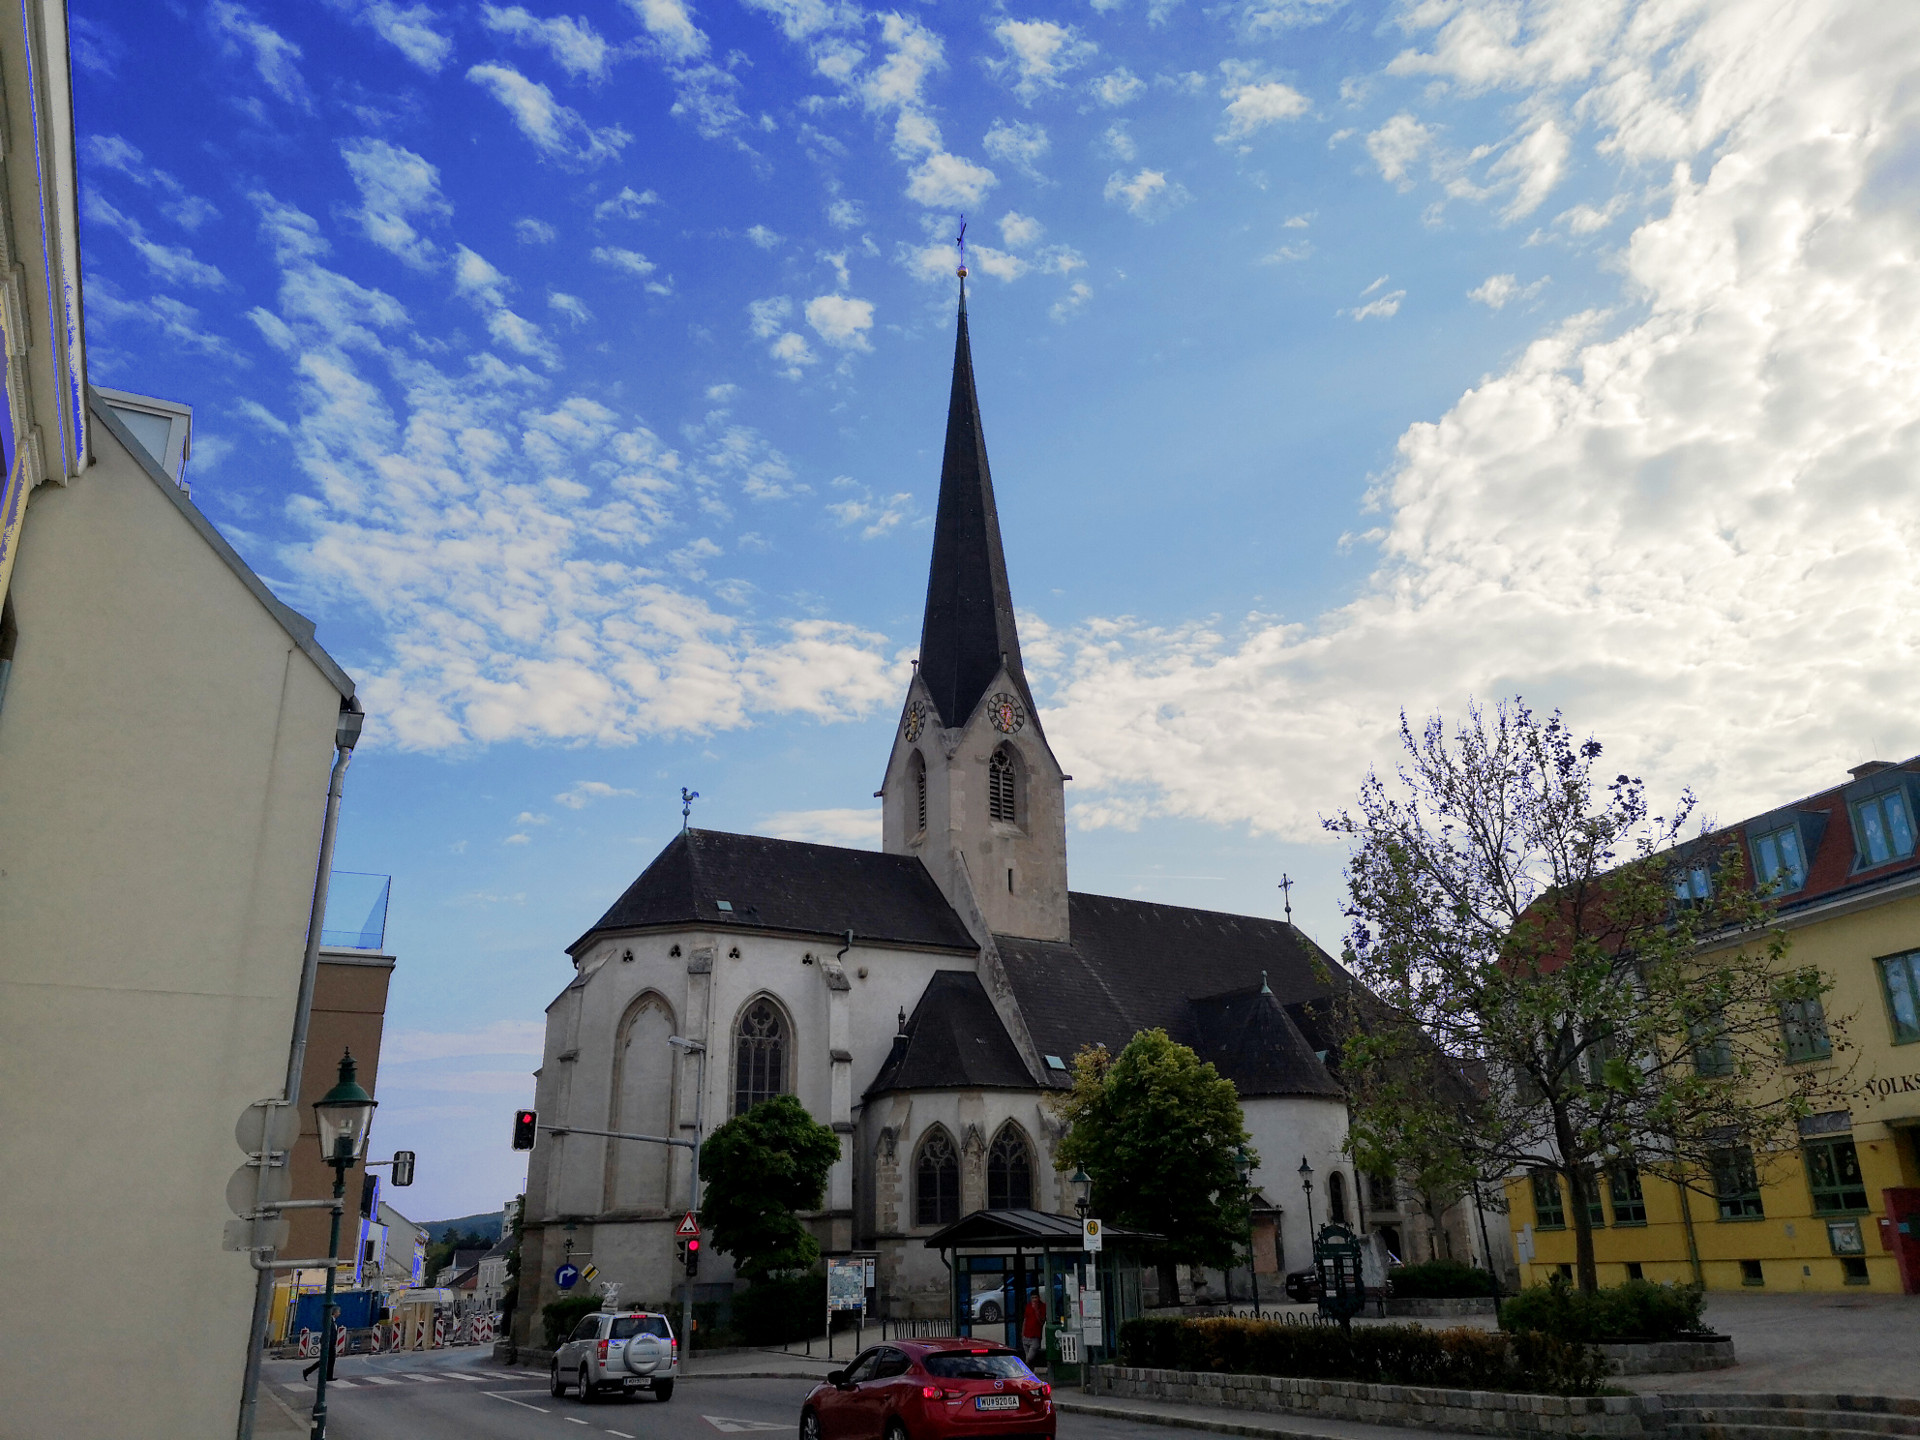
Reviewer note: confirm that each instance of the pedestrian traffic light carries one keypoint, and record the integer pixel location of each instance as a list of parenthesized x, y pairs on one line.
[(525, 1125), (690, 1250)]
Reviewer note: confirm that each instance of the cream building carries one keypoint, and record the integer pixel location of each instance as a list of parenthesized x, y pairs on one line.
[(166, 731)]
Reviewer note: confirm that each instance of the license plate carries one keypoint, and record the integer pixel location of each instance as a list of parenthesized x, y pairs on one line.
[(997, 1402)]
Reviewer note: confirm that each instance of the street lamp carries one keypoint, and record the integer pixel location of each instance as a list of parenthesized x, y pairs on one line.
[(344, 1115), (1243, 1164), (1082, 1191), (1306, 1184)]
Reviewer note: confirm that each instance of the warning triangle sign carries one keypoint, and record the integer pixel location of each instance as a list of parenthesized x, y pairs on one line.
[(689, 1224)]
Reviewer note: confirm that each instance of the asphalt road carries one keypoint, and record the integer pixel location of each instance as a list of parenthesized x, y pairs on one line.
[(462, 1397)]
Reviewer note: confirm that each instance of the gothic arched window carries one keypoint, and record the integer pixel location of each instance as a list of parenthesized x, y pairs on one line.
[(936, 1180), (1337, 1197), (1003, 788), (760, 1056), (1010, 1171), (917, 769)]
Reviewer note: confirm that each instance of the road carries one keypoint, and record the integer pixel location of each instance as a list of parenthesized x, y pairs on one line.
[(461, 1395)]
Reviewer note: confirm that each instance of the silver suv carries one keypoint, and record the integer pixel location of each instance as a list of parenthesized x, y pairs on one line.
[(623, 1351)]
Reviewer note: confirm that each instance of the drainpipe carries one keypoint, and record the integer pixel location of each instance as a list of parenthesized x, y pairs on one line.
[(346, 733)]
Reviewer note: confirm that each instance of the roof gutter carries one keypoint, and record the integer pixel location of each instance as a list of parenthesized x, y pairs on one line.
[(1906, 887)]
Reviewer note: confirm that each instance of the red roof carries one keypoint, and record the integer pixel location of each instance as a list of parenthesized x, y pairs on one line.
[(1837, 861)]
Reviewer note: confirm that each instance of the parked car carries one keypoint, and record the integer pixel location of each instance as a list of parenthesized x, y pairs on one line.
[(1303, 1285), (930, 1390), (623, 1353), (990, 1307)]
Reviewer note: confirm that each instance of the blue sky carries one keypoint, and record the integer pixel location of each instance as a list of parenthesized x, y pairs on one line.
[(581, 369)]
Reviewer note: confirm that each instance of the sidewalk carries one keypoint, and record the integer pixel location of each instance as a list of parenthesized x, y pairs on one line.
[(1233, 1422)]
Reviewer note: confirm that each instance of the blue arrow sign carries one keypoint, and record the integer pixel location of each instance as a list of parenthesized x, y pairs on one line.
[(565, 1276)]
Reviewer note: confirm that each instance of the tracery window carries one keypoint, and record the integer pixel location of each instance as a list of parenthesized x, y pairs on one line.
[(936, 1180), (1002, 789), (1010, 1171), (760, 1056)]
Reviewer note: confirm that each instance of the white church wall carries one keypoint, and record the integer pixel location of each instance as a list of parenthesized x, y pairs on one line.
[(1283, 1129)]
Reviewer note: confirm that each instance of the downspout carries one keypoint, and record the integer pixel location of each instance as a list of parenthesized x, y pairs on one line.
[(346, 734)]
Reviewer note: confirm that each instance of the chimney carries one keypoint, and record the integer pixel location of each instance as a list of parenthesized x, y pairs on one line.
[(1869, 767)]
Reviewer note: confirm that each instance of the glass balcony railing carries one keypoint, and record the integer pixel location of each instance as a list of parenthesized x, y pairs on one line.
[(356, 911)]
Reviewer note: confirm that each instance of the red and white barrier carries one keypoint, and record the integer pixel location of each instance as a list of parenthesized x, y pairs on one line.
[(339, 1340), (439, 1331), (309, 1344)]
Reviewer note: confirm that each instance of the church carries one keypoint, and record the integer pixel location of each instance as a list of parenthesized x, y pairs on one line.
[(925, 1000)]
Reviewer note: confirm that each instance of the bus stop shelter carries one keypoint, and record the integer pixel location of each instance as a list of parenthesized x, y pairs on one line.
[(1000, 1258)]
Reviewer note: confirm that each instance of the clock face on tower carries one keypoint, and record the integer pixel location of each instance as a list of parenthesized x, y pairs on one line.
[(1005, 713), (916, 720)]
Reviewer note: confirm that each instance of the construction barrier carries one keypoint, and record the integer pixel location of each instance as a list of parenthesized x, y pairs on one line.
[(439, 1331), (309, 1344), (339, 1341)]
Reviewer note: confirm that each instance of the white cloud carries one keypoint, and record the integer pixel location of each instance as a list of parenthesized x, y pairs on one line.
[(629, 204), (529, 231), (1262, 18), (767, 319), (670, 24), (944, 181), (583, 793), (1077, 295), (763, 237), (1117, 142), (179, 322), (571, 306), (875, 515), (1018, 144), (1038, 53), (502, 1037), (1693, 520), (1019, 230), (395, 186), (1496, 291), (1383, 306), (175, 264), (1253, 107), (1396, 146), (631, 261), (841, 320), (1534, 167), (1147, 194), (556, 131), (1119, 87), (408, 28), (846, 214), (275, 58), (187, 210), (850, 827), (478, 282), (573, 44)]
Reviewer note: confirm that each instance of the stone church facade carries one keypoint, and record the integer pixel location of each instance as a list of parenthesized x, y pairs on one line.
[(926, 1000)]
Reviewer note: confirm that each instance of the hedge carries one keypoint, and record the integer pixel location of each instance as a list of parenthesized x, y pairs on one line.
[(1636, 1311), (563, 1314), (1439, 1280), (781, 1310), (1459, 1359)]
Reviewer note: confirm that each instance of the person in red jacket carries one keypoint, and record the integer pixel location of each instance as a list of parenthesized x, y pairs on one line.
[(1033, 1327)]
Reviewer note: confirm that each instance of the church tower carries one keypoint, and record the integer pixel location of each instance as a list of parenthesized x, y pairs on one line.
[(972, 787)]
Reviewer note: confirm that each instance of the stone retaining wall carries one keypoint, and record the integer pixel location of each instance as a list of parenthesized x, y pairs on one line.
[(1470, 1412), (1411, 1309), (1670, 1357)]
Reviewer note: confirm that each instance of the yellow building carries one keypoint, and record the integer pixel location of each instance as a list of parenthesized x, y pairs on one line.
[(1843, 1208)]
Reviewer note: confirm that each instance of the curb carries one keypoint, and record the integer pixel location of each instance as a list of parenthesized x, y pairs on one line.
[(1187, 1422)]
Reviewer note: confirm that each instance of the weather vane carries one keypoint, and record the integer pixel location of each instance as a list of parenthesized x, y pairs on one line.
[(687, 797), (961, 241), (1286, 890)]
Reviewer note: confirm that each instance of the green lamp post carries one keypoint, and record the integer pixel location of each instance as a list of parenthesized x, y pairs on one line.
[(344, 1115), (1243, 1165)]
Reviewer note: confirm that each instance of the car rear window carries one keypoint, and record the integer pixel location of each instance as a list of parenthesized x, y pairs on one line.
[(977, 1365), (628, 1326)]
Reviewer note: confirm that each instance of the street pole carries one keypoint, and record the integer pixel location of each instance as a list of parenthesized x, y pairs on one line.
[(693, 1199), (319, 1431)]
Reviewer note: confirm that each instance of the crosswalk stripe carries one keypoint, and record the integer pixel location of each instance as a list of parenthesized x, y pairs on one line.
[(377, 1380), (427, 1379)]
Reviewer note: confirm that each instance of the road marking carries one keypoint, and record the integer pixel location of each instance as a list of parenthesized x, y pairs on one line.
[(575, 1420), (340, 1385), (427, 1379), (621, 1433), (727, 1426), (496, 1395), (374, 1380)]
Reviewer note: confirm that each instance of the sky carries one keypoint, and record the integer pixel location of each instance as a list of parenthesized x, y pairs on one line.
[(581, 371)]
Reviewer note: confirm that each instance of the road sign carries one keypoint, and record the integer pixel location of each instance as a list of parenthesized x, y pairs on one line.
[(689, 1225), (590, 1273), (246, 1185), (280, 1133), (1090, 1236), (565, 1276)]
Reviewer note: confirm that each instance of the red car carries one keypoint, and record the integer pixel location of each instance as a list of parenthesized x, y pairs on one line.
[(931, 1390)]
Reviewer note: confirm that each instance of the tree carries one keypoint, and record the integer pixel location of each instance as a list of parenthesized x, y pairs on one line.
[(1619, 978), (759, 1169), (1159, 1132)]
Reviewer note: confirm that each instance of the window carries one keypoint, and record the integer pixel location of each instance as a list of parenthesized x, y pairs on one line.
[(936, 1181), (977, 1365), (1900, 981), (1833, 1175), (1337, 1197), (1712, 1055), (1380, 1194), (1882, 828), (1549, 1210), (1634, 1270), (1735, 1185), (1751, 1273), (1694, 887), (1853, 1270), (760, 1056), (1777, 862), (1600, 1049), (1803, 1027), (1002, 791), (1009, 1171), (863, 1369), (917, 770), (891, 1363), (1586, 1186), (1629, 1205), (628, 1326), (588, 1329)]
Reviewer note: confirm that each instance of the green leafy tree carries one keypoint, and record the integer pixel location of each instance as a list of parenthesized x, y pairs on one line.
[(1618, 977), (1158, 1132), (759, 1169)]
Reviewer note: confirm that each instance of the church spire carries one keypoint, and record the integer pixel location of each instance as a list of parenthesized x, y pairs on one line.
[(968, 632)]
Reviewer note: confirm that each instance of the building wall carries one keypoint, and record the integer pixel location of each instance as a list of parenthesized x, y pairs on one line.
[(164, 751), (1791, 1242)]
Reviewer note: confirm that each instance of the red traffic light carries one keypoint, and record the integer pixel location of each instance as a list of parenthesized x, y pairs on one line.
[(525, 1127), (693, 1247)]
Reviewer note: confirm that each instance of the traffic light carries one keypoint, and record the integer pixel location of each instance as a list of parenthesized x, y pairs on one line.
[(369, 1196), (402, 1167), (525, 1126), (691, 1251)]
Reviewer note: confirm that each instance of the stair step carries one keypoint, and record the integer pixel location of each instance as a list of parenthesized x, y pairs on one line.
[(1716, 1417), (1907, 1405)]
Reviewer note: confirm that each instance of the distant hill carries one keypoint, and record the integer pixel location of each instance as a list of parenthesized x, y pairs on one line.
[(487, 1225)]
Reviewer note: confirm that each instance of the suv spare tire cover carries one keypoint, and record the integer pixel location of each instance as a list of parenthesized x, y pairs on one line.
[(646, 1354)]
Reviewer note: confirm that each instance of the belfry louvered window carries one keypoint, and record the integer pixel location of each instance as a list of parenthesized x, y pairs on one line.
[(919, 768), (1001, 790)]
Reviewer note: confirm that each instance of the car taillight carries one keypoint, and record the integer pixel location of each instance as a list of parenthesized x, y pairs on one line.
[(1045, 1390), (931, 1392), (603, 1350)]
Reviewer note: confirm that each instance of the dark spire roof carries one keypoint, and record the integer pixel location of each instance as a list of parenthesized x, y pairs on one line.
[(969, 621)]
